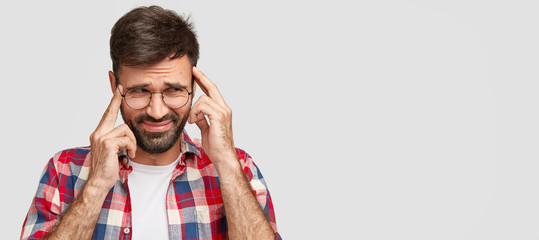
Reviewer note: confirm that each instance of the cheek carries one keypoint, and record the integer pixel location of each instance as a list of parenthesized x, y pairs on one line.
[(182, 113), (179, 112), (185, 110), (128, 114)]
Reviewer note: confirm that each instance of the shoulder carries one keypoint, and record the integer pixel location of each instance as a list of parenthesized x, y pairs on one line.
[(78, 156)]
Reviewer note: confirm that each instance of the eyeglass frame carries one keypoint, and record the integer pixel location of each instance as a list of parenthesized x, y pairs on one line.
[(162, 95)]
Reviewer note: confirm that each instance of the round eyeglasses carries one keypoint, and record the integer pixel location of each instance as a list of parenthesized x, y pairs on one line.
[(140, 98)]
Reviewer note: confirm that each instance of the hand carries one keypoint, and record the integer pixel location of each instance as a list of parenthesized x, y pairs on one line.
[(217, 140), (106, 142)]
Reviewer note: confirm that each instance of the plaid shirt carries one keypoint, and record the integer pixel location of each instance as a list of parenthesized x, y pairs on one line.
[(194, 202)]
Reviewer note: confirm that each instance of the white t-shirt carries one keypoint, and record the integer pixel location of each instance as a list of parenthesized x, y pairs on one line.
[(148, 186)]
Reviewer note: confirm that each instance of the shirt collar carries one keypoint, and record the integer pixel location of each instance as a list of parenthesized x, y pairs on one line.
[(189, 145)]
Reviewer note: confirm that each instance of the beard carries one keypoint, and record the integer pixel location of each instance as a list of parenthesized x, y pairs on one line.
[(156, 142)]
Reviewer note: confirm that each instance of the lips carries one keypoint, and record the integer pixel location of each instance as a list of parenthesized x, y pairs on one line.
[(157, 126)]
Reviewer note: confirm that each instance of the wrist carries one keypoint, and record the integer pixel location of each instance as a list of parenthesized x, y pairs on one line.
[(229, 158), (228, 168), (95, 189), (226, 157)]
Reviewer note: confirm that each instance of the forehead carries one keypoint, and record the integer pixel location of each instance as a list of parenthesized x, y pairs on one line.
[(178, 70)]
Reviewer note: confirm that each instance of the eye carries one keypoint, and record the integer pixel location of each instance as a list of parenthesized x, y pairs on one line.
[(174, 89), (175, 92), (138, 92)]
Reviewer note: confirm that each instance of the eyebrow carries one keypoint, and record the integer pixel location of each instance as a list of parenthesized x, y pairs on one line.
[(169, 84), (175, 85)]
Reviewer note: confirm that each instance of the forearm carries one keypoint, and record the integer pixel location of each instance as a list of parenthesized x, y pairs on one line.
[(244, 216), (80, 219)]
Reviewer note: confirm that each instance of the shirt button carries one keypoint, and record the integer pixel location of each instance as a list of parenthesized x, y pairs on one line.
[(126, 230)]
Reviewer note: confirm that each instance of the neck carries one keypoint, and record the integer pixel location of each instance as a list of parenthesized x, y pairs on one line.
[(159, 159)]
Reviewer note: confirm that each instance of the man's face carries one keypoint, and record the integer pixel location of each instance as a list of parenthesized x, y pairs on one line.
[(157, 127)]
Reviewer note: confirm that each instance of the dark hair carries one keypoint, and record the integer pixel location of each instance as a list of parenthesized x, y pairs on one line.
[(147, 35)]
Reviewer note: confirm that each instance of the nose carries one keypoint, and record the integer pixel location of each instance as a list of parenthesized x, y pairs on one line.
[(157, 108)]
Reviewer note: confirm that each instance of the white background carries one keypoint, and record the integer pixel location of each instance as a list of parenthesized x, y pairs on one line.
[(369, 120)]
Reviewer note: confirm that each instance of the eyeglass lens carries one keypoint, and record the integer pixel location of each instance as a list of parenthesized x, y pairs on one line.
[(172, 97)]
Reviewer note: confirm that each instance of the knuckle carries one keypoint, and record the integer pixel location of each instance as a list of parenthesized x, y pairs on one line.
[(195, 105), (123, 127), (95, 135), (98, 139), (92, 137), (107, 142)]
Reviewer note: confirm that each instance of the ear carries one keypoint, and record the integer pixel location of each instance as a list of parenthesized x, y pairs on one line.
[(112, 79)]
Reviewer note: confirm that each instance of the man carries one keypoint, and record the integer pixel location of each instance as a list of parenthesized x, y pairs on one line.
[(146, 179)]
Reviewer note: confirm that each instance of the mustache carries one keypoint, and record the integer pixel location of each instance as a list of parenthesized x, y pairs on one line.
[(148, 118)]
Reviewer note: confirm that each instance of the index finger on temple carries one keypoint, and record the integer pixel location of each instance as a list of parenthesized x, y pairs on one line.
[(111, 114), (207, 86)]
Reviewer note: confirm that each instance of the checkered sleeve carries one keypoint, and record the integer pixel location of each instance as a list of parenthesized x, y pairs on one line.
[(259, 188), (45, 209)]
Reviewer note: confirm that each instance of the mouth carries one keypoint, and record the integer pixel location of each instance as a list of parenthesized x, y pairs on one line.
[(157, 126)]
